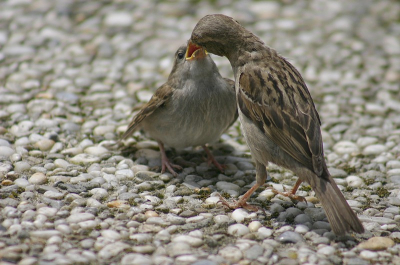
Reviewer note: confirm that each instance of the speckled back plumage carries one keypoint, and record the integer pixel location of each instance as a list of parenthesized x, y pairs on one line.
[(278, 116)]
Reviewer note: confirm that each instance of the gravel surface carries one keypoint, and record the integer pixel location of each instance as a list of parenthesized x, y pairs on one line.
[(70, 73)]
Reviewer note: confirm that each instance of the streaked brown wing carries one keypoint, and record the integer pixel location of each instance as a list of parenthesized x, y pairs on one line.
[(279, 102), (160, 97)]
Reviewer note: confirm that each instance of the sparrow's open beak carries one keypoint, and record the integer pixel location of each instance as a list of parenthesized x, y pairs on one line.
[(195, 52)]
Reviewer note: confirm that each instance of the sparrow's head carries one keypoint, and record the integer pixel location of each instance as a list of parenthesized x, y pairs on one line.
[(197, 64), (218, 34)]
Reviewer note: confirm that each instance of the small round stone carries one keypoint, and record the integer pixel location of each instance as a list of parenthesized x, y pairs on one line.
[(38, 178), (327, 251), (83, 159), (345, 147), (375, 149), (290, 237), (44, 144), (233, 254), (53, 195), (254, 226), (355, 181), (238, 230), (6, 151), (96, 150), (239, 215), (23, 183), (263, 233), (150, 214), (376, 243), (219, 219), (368, 255)]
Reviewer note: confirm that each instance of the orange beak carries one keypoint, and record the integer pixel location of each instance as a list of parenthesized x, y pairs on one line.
[(195, 52)]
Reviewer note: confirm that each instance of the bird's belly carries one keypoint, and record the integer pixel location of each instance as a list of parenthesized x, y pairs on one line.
[(181, 129), (262, 148)]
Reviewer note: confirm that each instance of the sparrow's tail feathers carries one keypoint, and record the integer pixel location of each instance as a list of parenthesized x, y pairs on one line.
[(340, 215)]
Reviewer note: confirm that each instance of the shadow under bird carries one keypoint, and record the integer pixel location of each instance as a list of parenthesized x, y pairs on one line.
[(277, 115), (194, 107)]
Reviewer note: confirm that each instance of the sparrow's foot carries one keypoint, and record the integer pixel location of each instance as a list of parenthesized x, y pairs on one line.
[(290, 194), (165, 164), (238, 204), (211, 159)]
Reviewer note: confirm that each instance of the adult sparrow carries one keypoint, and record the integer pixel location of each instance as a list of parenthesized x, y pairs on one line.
[(194, 107), (277, 114)]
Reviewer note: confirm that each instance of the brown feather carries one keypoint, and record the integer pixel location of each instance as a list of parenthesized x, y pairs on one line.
[(161, 96)]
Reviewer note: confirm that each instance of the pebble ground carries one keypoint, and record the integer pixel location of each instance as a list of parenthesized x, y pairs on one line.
[(70, 73)]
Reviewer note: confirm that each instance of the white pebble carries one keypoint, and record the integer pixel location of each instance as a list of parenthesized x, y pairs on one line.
[(354, 181), (327, 251), (264, 232), (96, 150), (6, 151), (44, 144), (47, 211), (80, 217), (99, 193), (212, 200), (233, 254), (345, 147), (254, 226), (266, 195), (239, 215), (54, 240), (192, 241), (84, 159), (90, 224), (61, 163), (112, 250), (393, 172), (195, 219), (111, 234), (393, 164), (225, 186), (375, 149), (365, 141), (91, 202), (22, 183), (53, 195), (219, 219), (238, 230), (301, 229), (38, 178), (368, 255), (196, 233)]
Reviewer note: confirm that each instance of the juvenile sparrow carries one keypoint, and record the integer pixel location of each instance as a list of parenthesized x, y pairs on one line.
[(194, 107), (277, 114)]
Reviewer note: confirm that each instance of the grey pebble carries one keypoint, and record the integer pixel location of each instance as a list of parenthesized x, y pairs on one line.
[(290, 237)]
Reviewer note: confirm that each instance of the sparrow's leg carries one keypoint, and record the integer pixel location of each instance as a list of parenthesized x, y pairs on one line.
[(292, 194), (211, 159), (261, 176), (165, 162)]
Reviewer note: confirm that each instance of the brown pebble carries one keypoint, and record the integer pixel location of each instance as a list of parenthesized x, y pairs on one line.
[(376, 243), (151, 214), (6, 182), (120, 204)]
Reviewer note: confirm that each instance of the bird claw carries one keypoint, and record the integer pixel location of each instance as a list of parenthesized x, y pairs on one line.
[(168, 165), (220, 167), (238, 204), (290, 194)]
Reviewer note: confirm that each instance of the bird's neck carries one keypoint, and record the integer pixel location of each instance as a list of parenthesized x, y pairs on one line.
[(251, 50)]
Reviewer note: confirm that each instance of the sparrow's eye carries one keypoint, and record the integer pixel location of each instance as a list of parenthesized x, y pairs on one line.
[(181, 55)]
